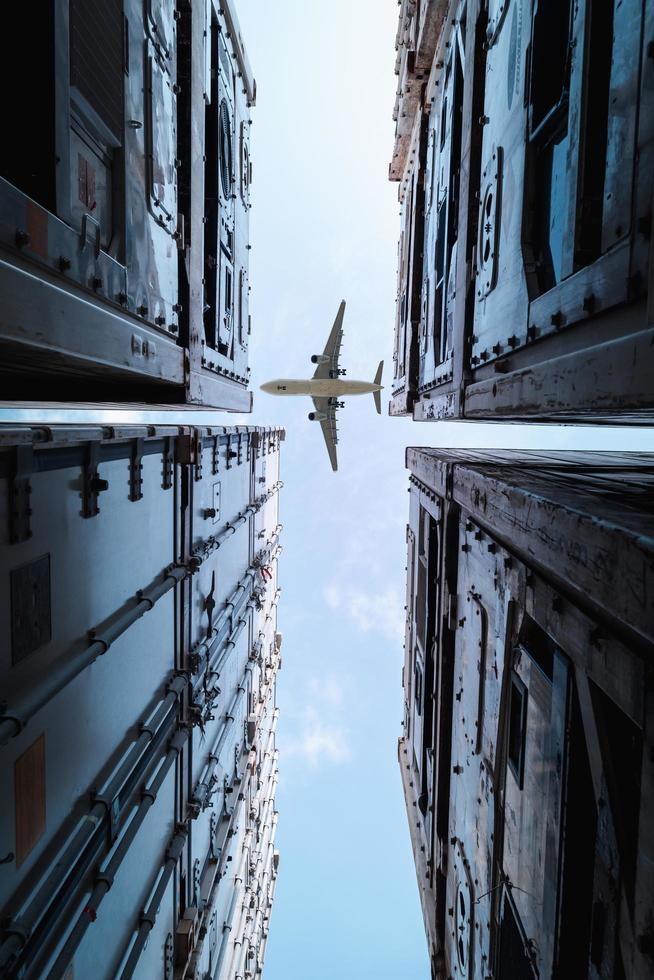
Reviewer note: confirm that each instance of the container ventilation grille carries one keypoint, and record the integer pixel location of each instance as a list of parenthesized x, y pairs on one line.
[(96, 58)]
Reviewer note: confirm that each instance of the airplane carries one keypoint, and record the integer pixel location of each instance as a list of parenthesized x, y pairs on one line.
[(326, 387)]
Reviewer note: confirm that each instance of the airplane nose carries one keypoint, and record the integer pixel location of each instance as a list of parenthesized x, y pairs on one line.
[(265, 387)]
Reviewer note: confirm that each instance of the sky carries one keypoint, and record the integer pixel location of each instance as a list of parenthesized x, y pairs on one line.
[(324, 227)]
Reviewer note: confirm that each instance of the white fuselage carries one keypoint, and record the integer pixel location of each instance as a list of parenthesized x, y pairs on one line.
[(319, 388)]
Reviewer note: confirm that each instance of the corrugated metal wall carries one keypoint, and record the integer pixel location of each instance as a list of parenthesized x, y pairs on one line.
[(140, 656)]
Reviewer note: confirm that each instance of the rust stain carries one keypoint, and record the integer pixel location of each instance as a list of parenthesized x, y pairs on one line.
[(37, 229)]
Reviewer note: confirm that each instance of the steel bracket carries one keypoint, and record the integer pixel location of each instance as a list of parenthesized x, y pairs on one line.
[(215, 456), (136, 470), (92, 484), (213, 830), (20, 511), (168, 461), (197, 453), (213, 931), (230, 454), (169, 959), (196, 882)]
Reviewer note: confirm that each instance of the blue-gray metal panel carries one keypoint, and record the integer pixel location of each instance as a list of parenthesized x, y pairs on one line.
[(100, 953)]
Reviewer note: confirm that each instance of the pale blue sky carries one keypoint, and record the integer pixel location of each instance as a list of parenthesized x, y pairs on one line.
[(324, 227)]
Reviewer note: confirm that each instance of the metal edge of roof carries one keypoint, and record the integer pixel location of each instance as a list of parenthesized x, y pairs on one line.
[(228, 11)]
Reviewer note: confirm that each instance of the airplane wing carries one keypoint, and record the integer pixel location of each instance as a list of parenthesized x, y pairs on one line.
[(328, 426), (333, 346)]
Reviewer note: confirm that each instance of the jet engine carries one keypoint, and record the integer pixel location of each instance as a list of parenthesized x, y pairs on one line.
[(320, 359), (317, 416)]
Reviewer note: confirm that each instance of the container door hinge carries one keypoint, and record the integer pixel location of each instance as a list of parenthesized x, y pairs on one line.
[(20, 511), (230, 454), (169, 958), (196, 882), (184, 450), (93, 485), (179, 233), (168, 463), (213, 833), (197, 452), (136, 471), (215, 456), (451, 613)]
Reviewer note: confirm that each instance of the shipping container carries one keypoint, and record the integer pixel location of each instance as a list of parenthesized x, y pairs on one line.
[(125, 178), (527, 748), (139, 657), (524, 153)]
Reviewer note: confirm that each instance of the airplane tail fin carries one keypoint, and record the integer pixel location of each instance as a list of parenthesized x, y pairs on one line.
[(376, 395)]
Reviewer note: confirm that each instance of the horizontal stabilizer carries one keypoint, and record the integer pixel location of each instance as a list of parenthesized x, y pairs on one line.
[(376, 395)]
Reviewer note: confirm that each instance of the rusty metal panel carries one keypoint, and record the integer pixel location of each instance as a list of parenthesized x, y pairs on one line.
[(29, 780)]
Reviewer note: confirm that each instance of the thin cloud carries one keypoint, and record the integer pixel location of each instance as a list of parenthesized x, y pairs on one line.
[(381, 612), (328, 689), (317, 742)]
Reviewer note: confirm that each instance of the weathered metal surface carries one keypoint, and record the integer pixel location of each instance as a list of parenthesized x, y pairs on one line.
[(533, 168), (415, 43), (152, 682), (75, 330), (122, 227), (409, 257), (524, 751), (616, 376)]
